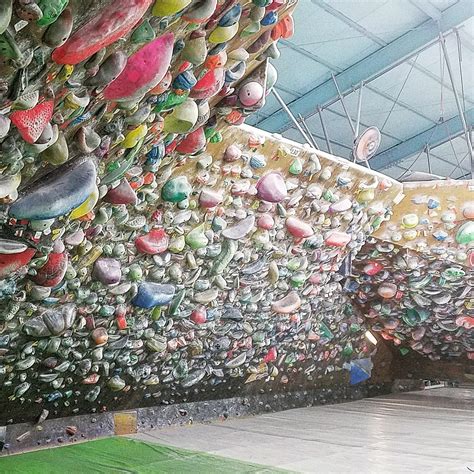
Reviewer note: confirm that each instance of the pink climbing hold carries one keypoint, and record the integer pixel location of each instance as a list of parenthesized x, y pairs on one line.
[(250, 94), (153, 243), (387, 290), (272, 187), (299, 229), (114, 22), (266, 222), (122, 194), (291, 302), (337, 239), (210, 198), (144, 69), (232, 153)]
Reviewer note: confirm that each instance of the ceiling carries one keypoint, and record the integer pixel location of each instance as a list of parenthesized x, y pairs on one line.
[(393, 46)]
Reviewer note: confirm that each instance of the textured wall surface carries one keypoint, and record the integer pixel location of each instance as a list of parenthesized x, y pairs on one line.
[(435, 219), (418, 302), (415, 281), (151, 252), (155, 251), (235, 292)]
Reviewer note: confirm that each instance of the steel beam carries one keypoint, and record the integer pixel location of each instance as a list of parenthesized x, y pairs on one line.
[(432, 137), (427, 8), (372, 66), (292, 117), (456, 97)]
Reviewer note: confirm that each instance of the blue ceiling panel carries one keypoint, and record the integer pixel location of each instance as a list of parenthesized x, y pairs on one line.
[(393, 45), (442, 4), (299, 79), (403, 124), (334, 41), (386, 19)]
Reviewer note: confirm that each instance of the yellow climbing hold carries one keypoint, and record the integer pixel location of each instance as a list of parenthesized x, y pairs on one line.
[(223, 33), (365, 195), (134, 136), (409, 221), (86, 206), (169, 7), (65, 73)]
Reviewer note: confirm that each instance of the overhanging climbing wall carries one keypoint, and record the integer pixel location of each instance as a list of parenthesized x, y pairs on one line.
[(415, 282), (99, 102)]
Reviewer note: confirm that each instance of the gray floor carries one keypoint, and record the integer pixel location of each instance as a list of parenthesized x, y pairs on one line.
[(423, 432)]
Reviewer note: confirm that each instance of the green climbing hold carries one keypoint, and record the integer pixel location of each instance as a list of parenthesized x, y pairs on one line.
[(293, 264), (169, 100), (453, 273), (228, 250), (261, 3), (348, 350), (8, 47), (51, 10), (413, 316), (176, 189), (176, 302), (5, 14), (465, 233), (216, 138), (296, 167), (325, 332), (197, 239), (298, 280), (143, 34), (156, 313)]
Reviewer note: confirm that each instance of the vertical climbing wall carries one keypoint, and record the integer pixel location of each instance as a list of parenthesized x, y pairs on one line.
[(435, 219), (225, 284)]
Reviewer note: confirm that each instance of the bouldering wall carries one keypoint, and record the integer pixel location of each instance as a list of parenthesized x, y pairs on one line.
[(419, 303), (414, 282), (154, 251), (435, 219), (100, 100), (224, 284)]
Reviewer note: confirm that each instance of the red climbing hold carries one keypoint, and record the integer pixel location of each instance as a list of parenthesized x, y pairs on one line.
[(155, 242), (112, 23), (31, 123), (52, 272), (193, 142), (11, 262)]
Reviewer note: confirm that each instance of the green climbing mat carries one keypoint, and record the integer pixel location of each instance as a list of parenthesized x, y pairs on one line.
[(123, 455)]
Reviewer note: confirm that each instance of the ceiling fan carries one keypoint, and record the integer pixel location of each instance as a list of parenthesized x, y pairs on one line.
[(366, 144)]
